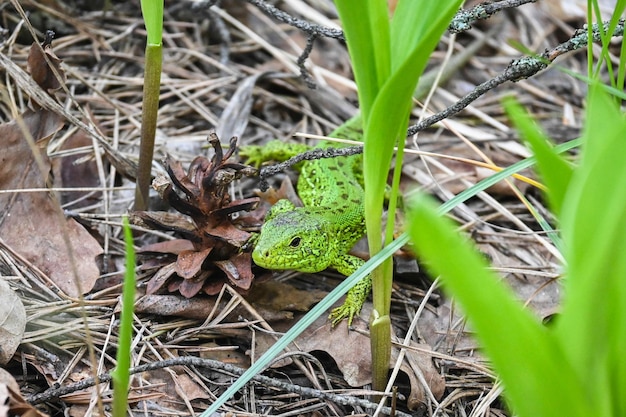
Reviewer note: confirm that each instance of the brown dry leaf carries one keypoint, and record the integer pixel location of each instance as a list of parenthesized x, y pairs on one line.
[(166, 383), (225, 354), (266, 298), (351, 352), (11, 401), (78, 171), (190, 389), (32, 223), (175, 305), (280, 296), (4, 400), (12, 322), (39, 69)]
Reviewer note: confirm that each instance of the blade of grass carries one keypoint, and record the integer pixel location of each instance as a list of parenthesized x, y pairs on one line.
[(592, 324), (553, 168), (524, 353), (357, 19), (387, 58), (121, 375)]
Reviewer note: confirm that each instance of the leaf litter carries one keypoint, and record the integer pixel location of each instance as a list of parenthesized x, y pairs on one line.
[(32, 223), (237, 62)]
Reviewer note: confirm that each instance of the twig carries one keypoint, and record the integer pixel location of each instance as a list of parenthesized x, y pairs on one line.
[(303, 25), (304, 73), (517, 70), (464, 19), (268, 171), (461, 22), (346, 400)]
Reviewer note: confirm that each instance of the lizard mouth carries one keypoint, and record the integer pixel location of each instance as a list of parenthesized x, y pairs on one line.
[(266, 258), (263, 258)]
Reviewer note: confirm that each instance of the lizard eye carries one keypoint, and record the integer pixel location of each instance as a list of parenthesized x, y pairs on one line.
[(295, 242)]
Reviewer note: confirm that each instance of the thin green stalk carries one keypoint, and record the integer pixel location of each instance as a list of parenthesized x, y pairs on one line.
[(380, 325), (121, 375), (149, 113), (152, 11)]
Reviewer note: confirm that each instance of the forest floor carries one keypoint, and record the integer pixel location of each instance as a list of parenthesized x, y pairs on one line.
[(234, 69)]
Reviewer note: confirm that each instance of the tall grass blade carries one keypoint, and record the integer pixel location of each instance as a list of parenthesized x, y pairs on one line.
[(121, 375), (592, 327), (555, 171), (538, 381)]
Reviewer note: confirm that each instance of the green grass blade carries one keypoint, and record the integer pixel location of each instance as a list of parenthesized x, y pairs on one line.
[(357, 18), (537, 379), (152, 11), (555, 171), (592, 326), (121, 375), (417, 25)]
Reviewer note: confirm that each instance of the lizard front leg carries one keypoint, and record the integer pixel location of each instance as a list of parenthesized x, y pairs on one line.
[(347, 265)]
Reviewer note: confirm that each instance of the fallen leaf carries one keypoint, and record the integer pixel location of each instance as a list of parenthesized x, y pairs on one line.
[(12, 322), (280, 296), (165, 382), (225, 354), (12, 402), (32, 223), (188, 388), (38, 67), (274, 301), (78, 170)]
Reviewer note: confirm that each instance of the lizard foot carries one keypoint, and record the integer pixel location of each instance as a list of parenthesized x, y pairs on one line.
[(340, 313), (354, 302)]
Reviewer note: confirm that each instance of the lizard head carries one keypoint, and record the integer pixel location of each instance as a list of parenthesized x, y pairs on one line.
[(297, 240)]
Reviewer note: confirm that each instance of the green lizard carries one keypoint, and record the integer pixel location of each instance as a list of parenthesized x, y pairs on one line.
[(320, 234)]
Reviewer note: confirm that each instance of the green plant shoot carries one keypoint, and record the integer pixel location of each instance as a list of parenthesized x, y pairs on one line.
[(121, 375), (153, 17), (388, 56)]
